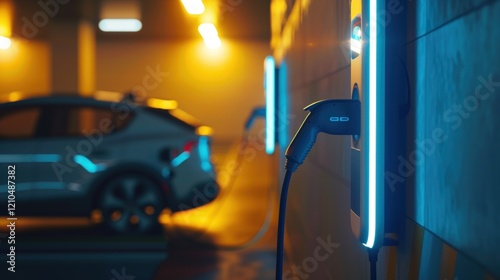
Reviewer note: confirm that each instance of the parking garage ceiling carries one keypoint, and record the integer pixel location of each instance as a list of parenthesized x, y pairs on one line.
[(161, 19)]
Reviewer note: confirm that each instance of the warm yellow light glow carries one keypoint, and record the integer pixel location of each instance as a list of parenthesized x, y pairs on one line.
[(218, 59), (282, 38), (185, 117), (204, 130), (15, 96), (210, 35), (213, 43), (194, 7), (162, 103), (6, 15), (5, 42), (108, 96), (207, 30)]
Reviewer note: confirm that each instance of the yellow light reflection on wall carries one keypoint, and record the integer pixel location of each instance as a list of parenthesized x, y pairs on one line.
[(194, 7), (15, 96), (162, 103), (6, 13)]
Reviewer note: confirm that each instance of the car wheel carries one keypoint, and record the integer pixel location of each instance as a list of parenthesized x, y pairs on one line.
[(130, 204)]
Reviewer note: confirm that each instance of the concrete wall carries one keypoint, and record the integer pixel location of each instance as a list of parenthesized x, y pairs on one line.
[(219, 87), (452, 218), (25, 67)]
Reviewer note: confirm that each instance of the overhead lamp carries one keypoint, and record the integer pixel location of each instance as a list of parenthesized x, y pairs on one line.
[(5, 42), (194, 7), (120, 16), (210, 35), (120, 25)]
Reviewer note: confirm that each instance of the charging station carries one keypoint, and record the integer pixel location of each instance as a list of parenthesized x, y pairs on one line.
[(378, 80), (374, 117)]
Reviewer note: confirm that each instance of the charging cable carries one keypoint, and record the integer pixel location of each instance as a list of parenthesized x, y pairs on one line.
[(257, 112), (334, 116), (373, 257)]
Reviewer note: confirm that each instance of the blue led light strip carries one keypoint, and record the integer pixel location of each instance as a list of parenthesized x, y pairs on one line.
[(372, 129), (270, 89)]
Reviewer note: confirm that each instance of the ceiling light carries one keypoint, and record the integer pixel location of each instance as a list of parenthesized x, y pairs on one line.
[(5, 42), (120, 16), (194, 7), (120, 25), (210, 35)]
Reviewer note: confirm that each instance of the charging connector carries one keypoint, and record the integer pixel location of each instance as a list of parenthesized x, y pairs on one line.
[(334, 116)]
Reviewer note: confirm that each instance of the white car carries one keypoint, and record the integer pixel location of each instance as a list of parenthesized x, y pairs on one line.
[(125, 161)]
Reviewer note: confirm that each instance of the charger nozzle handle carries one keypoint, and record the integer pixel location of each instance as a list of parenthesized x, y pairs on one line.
[(333, 116)]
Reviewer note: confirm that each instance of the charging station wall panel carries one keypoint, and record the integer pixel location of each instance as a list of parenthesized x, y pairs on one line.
[(378, 79)]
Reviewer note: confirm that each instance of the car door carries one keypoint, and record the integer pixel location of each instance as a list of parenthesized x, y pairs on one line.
[(19, 155), (76, 136)]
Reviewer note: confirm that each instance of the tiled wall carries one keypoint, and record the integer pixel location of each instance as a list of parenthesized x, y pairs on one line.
[(452, 53)]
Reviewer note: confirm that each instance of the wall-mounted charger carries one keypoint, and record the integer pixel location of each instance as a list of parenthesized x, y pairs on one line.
[(377, 79)]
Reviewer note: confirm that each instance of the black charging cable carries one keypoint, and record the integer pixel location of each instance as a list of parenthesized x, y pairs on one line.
[(373, 257), (334, 116), (281, 225)]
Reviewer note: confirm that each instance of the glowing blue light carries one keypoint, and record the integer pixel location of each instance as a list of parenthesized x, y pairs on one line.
[(178, 160), (165, 172), (270, 89), (35, 186), (356, 33), (87, 164), (30, 158), (372, 128), (48, 186), (283, 105), (46, 158), (204, 150)]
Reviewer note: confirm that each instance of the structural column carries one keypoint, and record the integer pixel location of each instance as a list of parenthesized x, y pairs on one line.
[(73, 56)]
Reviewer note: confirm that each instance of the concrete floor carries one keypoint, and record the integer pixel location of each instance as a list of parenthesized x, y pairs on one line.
[(231, 238)]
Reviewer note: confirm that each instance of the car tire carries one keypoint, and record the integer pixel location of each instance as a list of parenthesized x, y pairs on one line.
[(130, 204)]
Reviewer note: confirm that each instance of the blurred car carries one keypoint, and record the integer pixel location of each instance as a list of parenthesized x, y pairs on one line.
[(122, 161)]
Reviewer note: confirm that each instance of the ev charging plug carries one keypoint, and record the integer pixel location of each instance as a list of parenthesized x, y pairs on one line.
[(333, 116)]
